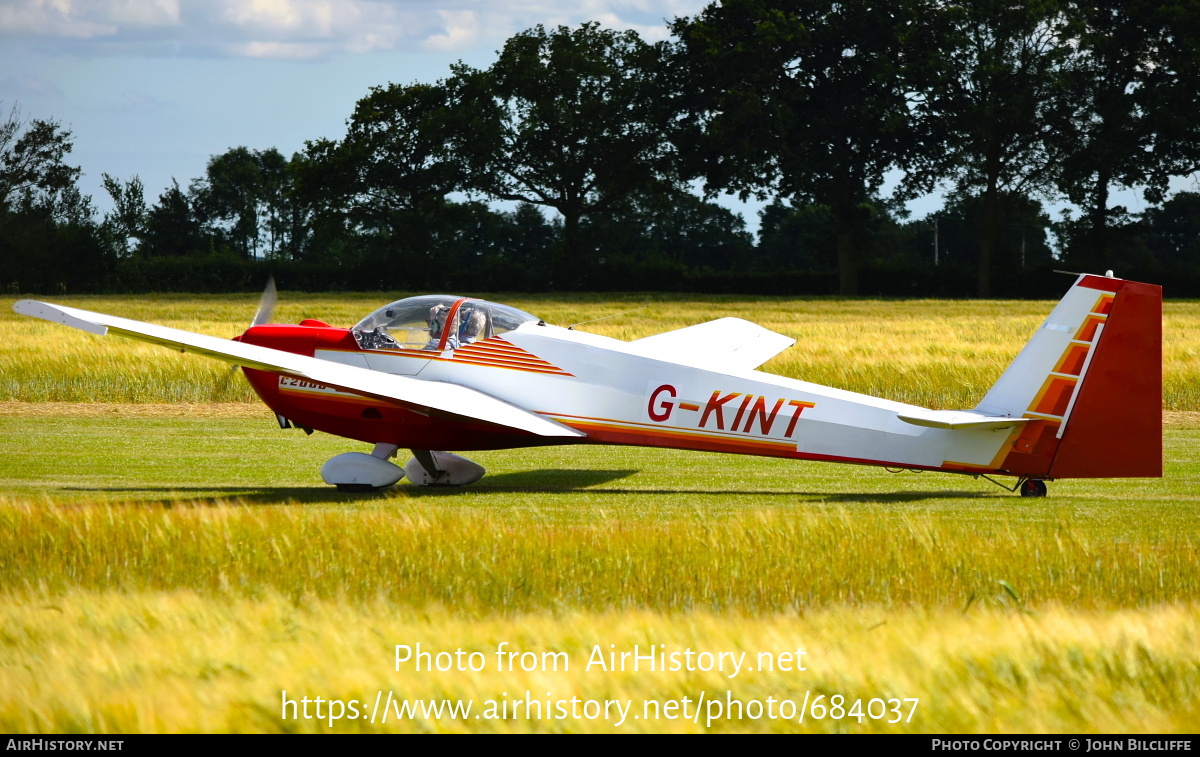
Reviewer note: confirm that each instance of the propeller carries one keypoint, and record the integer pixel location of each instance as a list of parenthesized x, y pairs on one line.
[(266, 307), (266, 304)]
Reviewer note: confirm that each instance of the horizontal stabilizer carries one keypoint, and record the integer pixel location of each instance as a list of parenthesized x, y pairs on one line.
[(403, 390), (959, 419), (726, 344)]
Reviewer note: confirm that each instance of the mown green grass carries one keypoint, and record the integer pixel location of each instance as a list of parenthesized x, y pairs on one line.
[(588, 527), (598, 528), (177, 569), (934, 353)]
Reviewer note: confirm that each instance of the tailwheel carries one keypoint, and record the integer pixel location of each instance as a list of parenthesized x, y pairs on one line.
[(1032, 487)]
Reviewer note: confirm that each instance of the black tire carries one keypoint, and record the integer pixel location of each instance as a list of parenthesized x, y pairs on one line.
[(1033, 487)]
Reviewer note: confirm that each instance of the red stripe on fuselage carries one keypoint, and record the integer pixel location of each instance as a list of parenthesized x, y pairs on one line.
[(369, 419)]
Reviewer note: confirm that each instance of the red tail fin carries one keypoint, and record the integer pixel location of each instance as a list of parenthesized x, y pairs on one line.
[(1114, 424)]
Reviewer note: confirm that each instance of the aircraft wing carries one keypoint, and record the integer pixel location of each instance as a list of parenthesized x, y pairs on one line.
[(403, 390), (724, 344), (956, 419)]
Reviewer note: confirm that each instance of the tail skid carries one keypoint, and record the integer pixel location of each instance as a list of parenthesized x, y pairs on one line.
[(1090, 383)]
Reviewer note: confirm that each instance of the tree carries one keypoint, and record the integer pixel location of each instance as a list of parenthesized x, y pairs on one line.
[(248, 198), (391, 173), (275, 201), (803, 236), (1021, 239), (999, 107), (48, 238), (533, 238), (172, 228), (669, 228), (804, 99), (796, 237), (125, 224), (571, 119), (31, 158), (681, 228), (1174, 94), (1135, 79), (1173, 231), (228, 198)]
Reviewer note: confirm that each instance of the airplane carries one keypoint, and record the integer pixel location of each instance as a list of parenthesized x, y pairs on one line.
[(1082, 399)]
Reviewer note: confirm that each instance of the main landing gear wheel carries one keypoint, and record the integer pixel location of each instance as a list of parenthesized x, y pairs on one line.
[(359, 472), (1032, 487), (435, 468)]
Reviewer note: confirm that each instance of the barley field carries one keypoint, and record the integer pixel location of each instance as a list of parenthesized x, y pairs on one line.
[(173, 661), (173, 564), (935, 353)]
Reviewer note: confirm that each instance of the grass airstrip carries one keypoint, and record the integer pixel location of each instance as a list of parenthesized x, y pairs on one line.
[(170, 561)]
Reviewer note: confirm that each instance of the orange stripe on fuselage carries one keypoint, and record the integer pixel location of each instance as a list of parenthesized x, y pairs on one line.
[(615, 432), (525, 368), (494, 345), (493, 352), (667, 437)]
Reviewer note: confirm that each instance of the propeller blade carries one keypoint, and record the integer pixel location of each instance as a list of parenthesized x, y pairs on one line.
[(266, 304)]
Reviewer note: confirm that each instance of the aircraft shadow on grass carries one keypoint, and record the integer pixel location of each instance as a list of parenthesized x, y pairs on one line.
[(532, 482), (547, 481)]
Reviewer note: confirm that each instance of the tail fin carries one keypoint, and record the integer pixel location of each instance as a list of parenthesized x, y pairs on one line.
[(1091, 378)]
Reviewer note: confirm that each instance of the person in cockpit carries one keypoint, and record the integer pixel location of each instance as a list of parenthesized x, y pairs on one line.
[(472, 321), (437, 324)]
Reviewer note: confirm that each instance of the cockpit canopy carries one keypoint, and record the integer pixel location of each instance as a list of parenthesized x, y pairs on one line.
[(436, 322)]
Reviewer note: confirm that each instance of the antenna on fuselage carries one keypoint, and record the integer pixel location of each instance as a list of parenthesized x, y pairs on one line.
[(601, 318), (1107, 274)]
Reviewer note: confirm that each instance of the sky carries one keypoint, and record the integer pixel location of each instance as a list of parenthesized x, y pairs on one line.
[(154, 88)]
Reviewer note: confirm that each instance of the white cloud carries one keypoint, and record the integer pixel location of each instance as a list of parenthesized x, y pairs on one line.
[(278, 50), (51, 18), (462, 31), (142, 12), (305, 29), (286, 18), (299, 29)]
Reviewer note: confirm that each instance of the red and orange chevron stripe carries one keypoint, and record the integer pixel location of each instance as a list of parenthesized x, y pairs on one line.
[(495, 352)]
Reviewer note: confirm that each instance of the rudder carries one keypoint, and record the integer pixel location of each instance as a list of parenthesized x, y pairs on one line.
[(1090, 381), (1114, 429)]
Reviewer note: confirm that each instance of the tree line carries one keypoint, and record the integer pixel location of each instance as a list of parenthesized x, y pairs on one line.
[(588, 158)]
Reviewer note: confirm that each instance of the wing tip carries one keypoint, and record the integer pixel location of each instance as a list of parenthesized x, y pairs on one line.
[(56, 314)]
